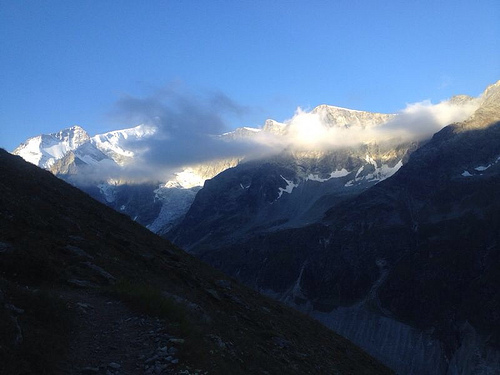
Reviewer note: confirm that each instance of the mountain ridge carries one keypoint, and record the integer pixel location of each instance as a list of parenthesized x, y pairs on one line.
[(104, 153)]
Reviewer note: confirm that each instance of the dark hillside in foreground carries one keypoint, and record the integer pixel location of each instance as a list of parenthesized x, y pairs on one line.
[(75, 274)]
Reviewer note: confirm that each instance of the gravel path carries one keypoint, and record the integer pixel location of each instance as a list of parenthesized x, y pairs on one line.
[(109, 338)]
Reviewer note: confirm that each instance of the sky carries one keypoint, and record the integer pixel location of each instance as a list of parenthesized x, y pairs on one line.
[(77, 62)]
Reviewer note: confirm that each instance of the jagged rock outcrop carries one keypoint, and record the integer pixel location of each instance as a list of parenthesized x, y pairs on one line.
[(291, 190)]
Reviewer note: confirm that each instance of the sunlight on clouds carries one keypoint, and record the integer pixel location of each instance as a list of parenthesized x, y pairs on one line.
[(312, 131), (306, 129), (187, 128), (420, 120)]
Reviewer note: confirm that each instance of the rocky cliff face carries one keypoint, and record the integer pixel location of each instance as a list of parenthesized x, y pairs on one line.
[(290, 190), (343, 117)]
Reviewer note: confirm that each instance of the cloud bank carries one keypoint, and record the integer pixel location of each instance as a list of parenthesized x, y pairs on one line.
[(313, 131), (187, 128), (421, 120), (416, 122)]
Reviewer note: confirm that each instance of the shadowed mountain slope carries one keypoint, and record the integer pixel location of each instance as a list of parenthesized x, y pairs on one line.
[(69, 265)]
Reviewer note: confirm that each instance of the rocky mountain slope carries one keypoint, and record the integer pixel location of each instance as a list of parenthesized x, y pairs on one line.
[(407, 269), (80, 159), (289, 190), (97, 165), (83, 289)]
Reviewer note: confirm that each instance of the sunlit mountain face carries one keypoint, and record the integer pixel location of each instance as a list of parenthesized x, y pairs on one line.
[(349, 150)]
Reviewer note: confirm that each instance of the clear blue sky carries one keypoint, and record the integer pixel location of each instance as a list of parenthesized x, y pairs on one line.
[(68, 62)]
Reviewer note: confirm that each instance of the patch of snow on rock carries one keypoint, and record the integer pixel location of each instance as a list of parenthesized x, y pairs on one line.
[(335, 174), (383, 172), (288, 189), (482, 168), (108, 191), (379, 174), (359, 171)]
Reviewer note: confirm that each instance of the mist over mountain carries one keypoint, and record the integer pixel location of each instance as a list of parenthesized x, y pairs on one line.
[(180, 129)]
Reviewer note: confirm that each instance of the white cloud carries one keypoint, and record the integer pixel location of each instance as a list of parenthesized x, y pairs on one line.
[(312, 131), (186, 125), (421, 120)]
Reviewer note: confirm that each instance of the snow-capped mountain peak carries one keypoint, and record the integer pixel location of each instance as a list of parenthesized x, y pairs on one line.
[(113, 143), (43, 150)]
